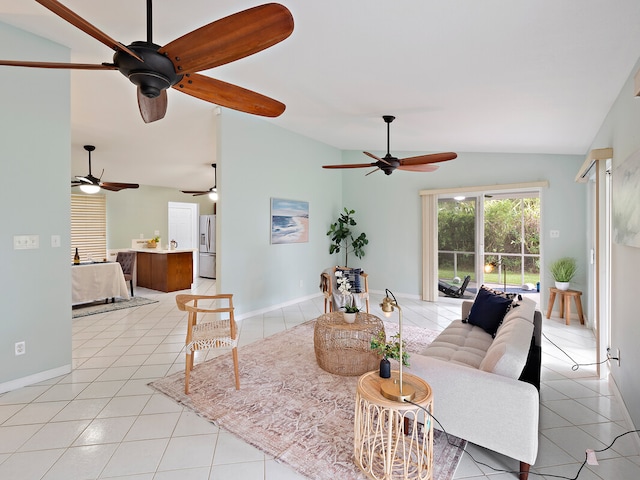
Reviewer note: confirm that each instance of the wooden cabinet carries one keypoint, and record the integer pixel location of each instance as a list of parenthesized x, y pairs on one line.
[(167, 272)]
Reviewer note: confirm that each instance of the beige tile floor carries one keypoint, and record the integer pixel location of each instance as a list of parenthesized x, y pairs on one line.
[(102, 421)]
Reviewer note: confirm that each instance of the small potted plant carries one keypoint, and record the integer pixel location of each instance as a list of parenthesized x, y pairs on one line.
[(389, 349), (563, 270), (350, 311)]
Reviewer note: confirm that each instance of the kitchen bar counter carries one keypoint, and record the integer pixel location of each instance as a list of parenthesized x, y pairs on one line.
[(159, 250), (164, 270)]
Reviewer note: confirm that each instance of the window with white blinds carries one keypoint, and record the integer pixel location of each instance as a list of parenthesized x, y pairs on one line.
[(89, 226)]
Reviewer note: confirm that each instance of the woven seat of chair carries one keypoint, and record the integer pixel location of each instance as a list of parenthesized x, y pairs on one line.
[(212, 335)]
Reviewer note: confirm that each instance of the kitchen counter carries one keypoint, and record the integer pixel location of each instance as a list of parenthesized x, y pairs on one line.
[(164, 270), (159, 250)]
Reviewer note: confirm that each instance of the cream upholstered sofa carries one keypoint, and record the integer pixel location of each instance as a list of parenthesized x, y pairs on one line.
[(479, 388)]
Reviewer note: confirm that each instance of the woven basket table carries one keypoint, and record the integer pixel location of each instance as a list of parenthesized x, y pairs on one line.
[(393, 440), (345, 348)]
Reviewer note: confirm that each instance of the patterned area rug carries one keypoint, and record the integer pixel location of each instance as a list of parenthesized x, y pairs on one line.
[(101, 307), (290, 408)]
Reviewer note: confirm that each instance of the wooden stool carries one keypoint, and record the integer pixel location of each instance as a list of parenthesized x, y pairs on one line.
[(565, 303)]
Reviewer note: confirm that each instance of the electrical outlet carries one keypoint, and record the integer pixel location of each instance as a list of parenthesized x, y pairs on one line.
[(611, 356), (20, 348)]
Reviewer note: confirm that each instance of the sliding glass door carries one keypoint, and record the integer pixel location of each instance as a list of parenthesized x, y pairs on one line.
[(502, 229)]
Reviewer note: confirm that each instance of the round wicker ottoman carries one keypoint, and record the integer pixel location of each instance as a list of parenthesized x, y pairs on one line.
[(345, 348)]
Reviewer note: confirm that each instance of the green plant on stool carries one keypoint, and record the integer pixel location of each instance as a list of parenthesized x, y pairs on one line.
[(563, 270)]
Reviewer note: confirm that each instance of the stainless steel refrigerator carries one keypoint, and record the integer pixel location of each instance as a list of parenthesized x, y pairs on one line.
[(207, 262)]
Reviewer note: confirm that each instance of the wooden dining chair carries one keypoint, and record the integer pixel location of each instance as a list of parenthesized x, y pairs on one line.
[(217, 328)]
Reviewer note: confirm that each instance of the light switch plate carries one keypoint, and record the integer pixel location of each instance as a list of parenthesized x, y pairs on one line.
[(55, 241), (26, 242)]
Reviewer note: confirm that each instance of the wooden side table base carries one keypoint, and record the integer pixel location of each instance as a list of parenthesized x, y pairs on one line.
[(393, 440), (565, 303)]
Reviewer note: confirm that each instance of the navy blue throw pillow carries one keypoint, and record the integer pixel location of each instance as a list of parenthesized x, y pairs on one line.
[(488, 311)]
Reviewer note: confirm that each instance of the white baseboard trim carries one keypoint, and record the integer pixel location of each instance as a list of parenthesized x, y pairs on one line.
[(625, 412), (35, 378), (276, 307)]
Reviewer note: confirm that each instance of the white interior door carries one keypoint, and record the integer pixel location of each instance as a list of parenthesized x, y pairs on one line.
[(183, 227)]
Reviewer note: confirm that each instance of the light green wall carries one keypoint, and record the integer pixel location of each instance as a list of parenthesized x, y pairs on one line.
[(388, 208), (621, 130), (143, 211), (257, 161), (34, 200)]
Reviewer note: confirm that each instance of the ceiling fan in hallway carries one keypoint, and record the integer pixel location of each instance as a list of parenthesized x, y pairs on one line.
[(389, 163), (153, 69), (212, 192), (90, 184)]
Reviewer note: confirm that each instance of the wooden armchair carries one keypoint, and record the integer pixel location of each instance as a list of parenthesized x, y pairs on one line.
[(213, 332), (333, 300)]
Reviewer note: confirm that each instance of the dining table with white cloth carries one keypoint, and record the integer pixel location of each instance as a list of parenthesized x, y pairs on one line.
[(97, 281)]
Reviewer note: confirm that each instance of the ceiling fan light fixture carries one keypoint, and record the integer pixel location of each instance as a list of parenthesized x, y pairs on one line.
[(89, 188)]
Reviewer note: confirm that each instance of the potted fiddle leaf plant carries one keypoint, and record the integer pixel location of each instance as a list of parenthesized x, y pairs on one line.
[(344, 238), (389, 350), (563, 270)]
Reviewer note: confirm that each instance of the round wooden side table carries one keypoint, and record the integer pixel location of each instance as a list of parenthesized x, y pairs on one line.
[(393, 440), (345, 348)]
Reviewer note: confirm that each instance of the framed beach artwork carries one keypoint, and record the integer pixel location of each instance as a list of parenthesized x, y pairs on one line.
[(289, 221), (626, 207)]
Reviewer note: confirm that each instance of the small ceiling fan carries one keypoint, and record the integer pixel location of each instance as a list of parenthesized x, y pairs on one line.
[(91, 184), (212, 192), (154, 68), (421, 163)]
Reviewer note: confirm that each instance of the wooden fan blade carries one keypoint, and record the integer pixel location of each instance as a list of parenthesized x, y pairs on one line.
[(195, 192), (372, 171), (419, 168), (152, 109), (351, 165), (376, 158), (228, 95), (71, 66), (431, 158), (230, 38), (79, 22), (116, 187)]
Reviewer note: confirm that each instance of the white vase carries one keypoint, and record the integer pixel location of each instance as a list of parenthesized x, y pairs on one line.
[(349, 317), (562, 285)]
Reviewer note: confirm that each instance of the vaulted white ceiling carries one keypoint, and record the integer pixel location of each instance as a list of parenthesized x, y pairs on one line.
[(461, 75)]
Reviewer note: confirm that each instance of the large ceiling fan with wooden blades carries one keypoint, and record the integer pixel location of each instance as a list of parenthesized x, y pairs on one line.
[(90, 184), (153, 69), (212, 192), (421, 163)]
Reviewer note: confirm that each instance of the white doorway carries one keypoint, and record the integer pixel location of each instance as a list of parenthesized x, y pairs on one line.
[(183, 228)]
